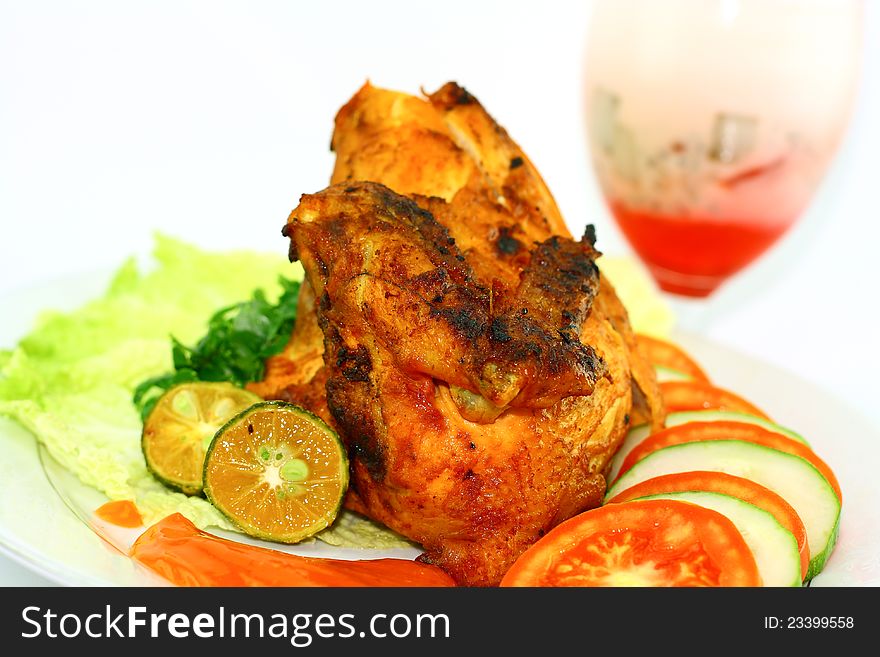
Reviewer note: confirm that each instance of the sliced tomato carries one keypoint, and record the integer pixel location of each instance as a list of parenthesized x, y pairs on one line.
[(720, 482), (701, 396), (642, 543), (665, 354), (693, 432)]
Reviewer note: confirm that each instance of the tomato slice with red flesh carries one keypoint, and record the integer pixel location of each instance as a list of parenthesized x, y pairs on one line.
[(640, 543), (739, 487), (665, 354), (702, 396), (693, 432)]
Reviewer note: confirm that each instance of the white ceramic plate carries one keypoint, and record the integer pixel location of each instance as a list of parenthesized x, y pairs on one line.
[(42, 506)]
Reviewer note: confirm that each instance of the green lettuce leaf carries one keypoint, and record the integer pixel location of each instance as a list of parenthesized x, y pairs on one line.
[(71, 380)]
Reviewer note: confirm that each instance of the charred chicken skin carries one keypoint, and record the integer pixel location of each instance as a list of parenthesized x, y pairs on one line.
[(477, 365)]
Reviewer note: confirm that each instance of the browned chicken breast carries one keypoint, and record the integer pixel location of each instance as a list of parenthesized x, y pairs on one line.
[(480, 370)]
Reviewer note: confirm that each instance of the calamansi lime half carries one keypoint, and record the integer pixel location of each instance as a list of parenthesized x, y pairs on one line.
[(277, 471), (181, 426)]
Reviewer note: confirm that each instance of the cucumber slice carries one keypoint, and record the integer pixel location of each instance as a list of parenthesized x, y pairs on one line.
[(639, 432), (792, 477), (635, 436), (683, 417), (774, 547), (664, 373)]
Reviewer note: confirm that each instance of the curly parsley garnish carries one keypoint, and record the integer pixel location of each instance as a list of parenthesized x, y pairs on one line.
[(239, 340)]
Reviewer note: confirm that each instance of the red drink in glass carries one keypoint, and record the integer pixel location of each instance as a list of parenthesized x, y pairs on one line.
[(712, 122), (692, 255)]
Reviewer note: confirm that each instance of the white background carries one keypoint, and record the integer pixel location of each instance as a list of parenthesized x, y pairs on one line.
[(207, 120)]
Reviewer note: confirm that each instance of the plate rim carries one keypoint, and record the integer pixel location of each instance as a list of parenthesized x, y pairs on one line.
[(56, 571)]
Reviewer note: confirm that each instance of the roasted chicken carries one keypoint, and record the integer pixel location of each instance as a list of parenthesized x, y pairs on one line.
[(477, 365)]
